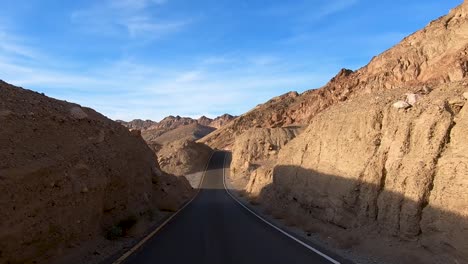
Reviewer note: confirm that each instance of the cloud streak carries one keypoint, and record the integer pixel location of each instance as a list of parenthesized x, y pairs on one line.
[(134, 4), (136, 18), (143, 26), (128, 90), (308, 10), (137, 59)]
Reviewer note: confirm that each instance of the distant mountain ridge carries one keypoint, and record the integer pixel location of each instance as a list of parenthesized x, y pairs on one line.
[(173, 122)]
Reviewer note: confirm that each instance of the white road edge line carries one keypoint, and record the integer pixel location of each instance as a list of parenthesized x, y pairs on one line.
[(272, 225), (150, 235)]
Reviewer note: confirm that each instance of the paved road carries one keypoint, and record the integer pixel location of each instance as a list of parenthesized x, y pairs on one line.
[(215, 229)]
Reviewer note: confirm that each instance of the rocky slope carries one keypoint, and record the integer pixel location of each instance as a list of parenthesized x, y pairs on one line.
[(191, 132), (221, 121), (137, 124), (400, 170), (177, 151), (183, 157), (68, 175), (257, 147), (173, 138), (384, 151), (433, 55)]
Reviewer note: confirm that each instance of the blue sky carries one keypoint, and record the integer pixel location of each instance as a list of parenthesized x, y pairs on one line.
[(151, 58)]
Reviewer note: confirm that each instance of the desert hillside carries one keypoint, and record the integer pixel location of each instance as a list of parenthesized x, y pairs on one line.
[(383, 151), (183, 157), (436, 54), (193, 132), (177, 151), (173, 122), (69, 175), (173, 141)]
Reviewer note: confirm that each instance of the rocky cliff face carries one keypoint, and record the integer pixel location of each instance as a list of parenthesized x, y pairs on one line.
[(269, 115), (221, 121), (68, 174), (182, 157), (173, 140), (383, 148), (433, 55), (137, 124), (402, 170), (256, 147), (177, 151)]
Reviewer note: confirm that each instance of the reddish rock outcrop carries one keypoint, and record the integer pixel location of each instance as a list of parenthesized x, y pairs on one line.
[(436, 54)]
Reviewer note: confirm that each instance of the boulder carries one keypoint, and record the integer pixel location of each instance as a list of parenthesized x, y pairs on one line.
[(78, 113), (412, 98), (401, 105)]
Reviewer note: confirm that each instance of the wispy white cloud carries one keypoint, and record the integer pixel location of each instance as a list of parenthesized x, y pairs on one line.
[(263, 60), (11, 44), (190, 76), (129, 89), (334, 6), (308, 10), (134, 4), (143, 26), (134, 17)]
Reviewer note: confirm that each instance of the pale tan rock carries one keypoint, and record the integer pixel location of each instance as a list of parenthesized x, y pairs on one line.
[(412, 98), (182, 157), (444, 220), (255, 146), (401, 105), (465, 95), (456, 101)]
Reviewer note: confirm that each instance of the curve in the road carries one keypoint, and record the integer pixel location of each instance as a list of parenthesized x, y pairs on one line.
[(332, 260), (213, 228)]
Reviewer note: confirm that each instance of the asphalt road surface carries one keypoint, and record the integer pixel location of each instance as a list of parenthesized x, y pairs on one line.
[(215, 229)]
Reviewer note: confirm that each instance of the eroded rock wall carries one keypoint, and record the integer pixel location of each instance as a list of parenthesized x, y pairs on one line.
[(68, 174), (258, 146), (364, 162), (182, 157)]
